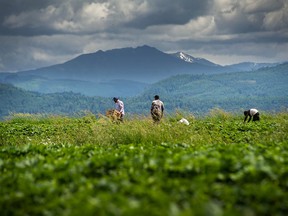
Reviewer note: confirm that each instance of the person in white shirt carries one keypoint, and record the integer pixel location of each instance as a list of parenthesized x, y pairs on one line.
[(157, 109), (119, 106), (253, 114)]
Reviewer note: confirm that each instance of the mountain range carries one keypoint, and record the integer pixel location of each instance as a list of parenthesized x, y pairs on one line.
[(116, 72), (265, 89)]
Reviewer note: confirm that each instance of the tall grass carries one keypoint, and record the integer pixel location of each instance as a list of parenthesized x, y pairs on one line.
[(219, 127)]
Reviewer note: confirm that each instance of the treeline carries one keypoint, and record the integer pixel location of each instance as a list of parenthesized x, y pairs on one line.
[(15, 100), (265, 89)]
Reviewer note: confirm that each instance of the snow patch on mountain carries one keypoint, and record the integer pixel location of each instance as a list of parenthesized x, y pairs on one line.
[(190, 59), (185, 57)]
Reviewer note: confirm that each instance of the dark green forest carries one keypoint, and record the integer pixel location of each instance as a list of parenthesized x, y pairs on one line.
[(15, 100), (265, 89)]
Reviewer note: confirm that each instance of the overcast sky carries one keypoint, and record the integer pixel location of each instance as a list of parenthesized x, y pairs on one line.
[(37, 33)]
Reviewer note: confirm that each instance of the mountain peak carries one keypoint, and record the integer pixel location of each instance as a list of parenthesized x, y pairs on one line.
[(145, 47)]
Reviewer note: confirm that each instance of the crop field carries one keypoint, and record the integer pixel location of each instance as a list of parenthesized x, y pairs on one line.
[(87, 165)]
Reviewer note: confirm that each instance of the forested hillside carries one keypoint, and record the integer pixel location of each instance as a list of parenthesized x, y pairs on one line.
[(265, 89), (15, 100)]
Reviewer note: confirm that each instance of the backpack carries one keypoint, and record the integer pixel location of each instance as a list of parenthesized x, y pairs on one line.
[(156, 111)]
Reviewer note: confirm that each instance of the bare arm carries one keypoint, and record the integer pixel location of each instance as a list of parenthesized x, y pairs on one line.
[(162, 110), (245, 118)]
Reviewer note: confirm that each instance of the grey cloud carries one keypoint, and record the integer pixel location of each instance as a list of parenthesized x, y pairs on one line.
[(21, 53), (41, 17), (263, 6), (48, 17), (16, 9), (36, 33), (252, 16), (57, 17), (163, 12)]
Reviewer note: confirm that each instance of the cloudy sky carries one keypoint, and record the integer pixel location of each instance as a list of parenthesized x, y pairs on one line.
[(37, 33)]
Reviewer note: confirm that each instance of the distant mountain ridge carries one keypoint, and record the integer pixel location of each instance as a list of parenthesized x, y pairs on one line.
[(143, 64), (95, 73), (251, 66), (117, 72)]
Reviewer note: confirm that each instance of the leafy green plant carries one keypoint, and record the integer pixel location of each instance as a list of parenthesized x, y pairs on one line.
[(217, 165)]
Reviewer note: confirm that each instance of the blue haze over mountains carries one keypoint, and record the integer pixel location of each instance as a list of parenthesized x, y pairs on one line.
[(118, 72)]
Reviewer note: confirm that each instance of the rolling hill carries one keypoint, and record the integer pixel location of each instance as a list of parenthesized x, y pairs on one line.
[(265, 88)]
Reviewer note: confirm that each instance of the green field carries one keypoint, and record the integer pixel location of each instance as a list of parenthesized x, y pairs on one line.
[(87, 165)]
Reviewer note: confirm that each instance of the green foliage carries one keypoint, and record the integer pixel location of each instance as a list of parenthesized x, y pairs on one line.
[(87, 165), (265, 89), (15, 100)]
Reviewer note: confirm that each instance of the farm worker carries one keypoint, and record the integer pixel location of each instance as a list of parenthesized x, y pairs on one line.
[(119, 106), (157, 109), (252, 113)]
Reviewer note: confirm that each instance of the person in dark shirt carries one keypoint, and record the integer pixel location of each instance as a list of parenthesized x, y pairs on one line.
[(252, 114), (157, 109)]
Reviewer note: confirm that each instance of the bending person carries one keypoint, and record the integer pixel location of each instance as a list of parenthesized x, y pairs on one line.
[(252, 114), (119, 106)]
